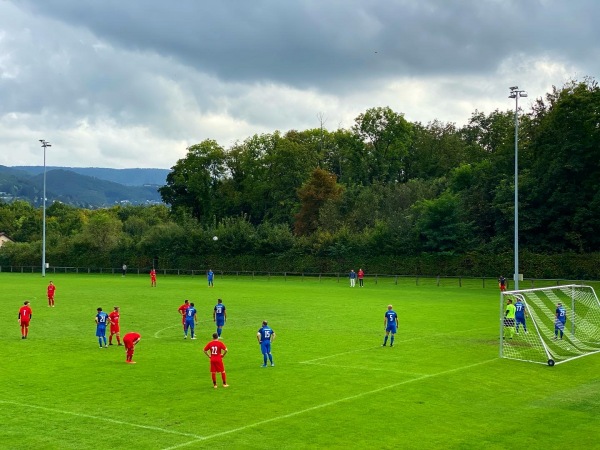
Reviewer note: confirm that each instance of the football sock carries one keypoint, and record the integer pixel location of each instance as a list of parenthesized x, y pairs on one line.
[(223, 378), (219, 331), (270, 359), (118, 340), (385, 340), (265, 360), (392, 340), (100, 342), (214, 377)]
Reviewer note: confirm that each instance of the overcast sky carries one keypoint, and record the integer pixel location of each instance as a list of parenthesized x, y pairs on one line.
[(132, 83)]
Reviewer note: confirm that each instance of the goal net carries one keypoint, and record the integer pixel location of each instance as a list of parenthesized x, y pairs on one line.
[(549, 325)]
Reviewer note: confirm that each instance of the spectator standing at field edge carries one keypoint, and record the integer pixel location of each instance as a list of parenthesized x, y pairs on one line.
[(153, 277), (361, 276), (210, 276), (124, 270), (352, 278), (502, 283)]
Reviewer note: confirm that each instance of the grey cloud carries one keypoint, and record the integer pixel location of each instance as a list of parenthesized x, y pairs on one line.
[(315, 43)]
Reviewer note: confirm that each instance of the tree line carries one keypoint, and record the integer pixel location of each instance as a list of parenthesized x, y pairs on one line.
[(390, 195)]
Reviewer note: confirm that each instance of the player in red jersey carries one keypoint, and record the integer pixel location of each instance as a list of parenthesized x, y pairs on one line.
[(182, 309), (24, 319), (216, 351), (51, 289), (153, 278), (130, 340), (115, 329)]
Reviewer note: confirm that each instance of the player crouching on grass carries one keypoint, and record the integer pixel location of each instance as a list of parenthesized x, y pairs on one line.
[(130, 340)]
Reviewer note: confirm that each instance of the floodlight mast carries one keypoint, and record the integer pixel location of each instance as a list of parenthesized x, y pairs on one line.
[(515, 93), (44, 144)]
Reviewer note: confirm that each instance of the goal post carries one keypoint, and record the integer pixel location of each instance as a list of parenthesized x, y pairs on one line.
[(549, 325)]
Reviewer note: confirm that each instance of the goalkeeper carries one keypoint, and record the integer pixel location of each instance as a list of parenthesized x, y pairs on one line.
[(509, 318)]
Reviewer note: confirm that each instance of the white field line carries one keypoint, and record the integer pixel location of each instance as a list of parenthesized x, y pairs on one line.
[(397, 341), (104, 419), (324, 405), (156, 335), (399, 372)]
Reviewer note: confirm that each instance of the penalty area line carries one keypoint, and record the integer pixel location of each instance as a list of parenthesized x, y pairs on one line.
[(103, 419), (334, 402), (398, 341)]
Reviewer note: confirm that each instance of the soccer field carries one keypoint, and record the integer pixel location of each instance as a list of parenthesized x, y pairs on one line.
[(441, 386)]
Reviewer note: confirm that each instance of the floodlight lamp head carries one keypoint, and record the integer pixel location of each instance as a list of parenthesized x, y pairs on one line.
[(522, 94), (513, 95), (514, 88)]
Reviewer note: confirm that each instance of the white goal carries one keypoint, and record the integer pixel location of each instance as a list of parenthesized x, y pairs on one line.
[(552, 325)]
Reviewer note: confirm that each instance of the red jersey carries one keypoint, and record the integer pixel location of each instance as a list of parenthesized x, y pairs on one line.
[(51, 289), (361, 274), (153, 273), (130, 338), (25, 313), (217, 348), (114, 319), (182, 309)]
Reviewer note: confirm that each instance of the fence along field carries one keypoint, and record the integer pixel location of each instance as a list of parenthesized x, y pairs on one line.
[(441, 386)]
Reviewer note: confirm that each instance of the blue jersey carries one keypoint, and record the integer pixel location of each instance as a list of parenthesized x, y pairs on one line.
[(101, 319), (391, 317), (519, 310), (219, 310), (210, 275), (190, 313), (265, 333), (561, 314)]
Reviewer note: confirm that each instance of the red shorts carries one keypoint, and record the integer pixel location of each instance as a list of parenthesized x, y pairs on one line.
[(24, 322), (115, 329), (217, 365)]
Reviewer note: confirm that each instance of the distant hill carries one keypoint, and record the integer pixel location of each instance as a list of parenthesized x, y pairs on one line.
[(75, 189), (127, 177)]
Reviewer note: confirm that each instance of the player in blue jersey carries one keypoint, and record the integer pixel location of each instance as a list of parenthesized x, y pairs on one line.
[(190, 322), (560, 320), (391, 325), (219, 316), (520, 314), (265, 336), (101, 321), (210, 275)]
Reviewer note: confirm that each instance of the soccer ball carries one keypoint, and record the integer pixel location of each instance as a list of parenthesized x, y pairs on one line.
[(215, 238)]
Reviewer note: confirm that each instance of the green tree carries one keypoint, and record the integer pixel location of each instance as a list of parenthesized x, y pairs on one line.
[(320, 188), (387, 136), (193, 181), (562, 189)]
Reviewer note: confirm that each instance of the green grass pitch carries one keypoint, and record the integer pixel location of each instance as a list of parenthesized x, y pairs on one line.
[(333, 386)]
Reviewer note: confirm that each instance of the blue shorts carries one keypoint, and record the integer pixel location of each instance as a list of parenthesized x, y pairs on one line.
[(220, 321), (101, 331), (391, 328), (265, 347), (520, 320), (188, 324), (559, 325)]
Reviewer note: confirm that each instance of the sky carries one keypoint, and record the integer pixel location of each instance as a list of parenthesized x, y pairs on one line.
[(125, 84)]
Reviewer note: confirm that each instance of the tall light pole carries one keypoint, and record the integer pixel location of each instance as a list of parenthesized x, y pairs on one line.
[(515, 93), (44, 144)]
